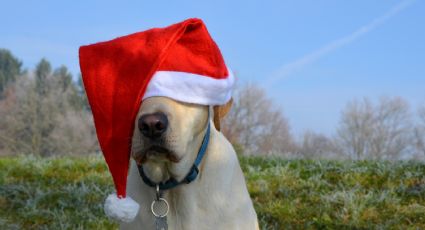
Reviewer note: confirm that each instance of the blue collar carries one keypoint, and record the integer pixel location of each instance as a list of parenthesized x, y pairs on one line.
[(193, 173)]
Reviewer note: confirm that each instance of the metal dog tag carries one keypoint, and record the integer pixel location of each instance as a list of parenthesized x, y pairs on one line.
[(161, 223), (160, 208)]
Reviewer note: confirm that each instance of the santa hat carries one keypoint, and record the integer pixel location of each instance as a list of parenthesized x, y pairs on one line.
[(180, 61)]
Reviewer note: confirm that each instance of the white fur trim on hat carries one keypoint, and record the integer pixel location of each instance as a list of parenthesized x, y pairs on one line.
[(122, 209), (190, 88)]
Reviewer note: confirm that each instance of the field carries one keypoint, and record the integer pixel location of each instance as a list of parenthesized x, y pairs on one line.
[(68, 193)]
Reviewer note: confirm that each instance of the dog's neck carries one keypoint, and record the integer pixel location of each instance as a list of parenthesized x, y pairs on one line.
[(179, 195)]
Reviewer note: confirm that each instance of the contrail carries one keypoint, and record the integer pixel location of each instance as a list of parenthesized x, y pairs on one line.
[(290, 67)]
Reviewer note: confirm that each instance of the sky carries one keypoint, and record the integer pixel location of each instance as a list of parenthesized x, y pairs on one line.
[(311, 57)]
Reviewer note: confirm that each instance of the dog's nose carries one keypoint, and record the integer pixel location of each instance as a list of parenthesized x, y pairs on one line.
[(153, 125)]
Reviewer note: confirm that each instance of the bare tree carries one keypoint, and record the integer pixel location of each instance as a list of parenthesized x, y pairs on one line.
[(419, 133), (74, 133), (256, 125), (392, 129), (355, 128), (381, 131), (316, 145)]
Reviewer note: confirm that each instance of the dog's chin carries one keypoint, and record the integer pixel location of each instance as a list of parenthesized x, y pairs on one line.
[(156, 154), (156, 161), (157, 171)]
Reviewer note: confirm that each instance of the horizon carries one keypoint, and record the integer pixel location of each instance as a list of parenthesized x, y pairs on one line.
[(312, 58)]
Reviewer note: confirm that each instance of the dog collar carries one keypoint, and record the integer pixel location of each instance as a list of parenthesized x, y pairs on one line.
[(193, 172)]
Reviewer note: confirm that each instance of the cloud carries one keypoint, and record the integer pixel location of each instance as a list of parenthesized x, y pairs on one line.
[(288, 68)]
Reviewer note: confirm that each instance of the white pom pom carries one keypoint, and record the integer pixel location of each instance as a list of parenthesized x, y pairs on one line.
[(122, 209)]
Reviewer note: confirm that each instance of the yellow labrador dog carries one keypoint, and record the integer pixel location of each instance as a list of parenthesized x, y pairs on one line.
[(166, 140)]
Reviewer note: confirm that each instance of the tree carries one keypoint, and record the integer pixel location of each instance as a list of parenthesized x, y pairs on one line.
[(420, 132), (67, 89), (256, 125), (10, 68), (63, 78), (42, 72), (356, 128), (379, 131), (316, 145), (393, 128), (82, 92)]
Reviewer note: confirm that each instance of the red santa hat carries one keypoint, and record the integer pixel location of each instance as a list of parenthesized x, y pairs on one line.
[(180, 61)]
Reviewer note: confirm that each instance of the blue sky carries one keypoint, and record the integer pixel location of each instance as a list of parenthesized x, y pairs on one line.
[(311, 56)]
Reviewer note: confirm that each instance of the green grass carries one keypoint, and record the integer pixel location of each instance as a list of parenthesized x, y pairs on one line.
[(68, 193)]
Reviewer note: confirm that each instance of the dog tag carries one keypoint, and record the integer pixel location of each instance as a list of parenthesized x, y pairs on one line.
[(160, 208), (161, 223)]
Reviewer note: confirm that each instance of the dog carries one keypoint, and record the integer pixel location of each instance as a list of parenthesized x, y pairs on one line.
[(165, 142)]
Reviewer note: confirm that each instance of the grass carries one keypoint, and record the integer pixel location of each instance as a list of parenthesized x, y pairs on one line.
[(68, 193)]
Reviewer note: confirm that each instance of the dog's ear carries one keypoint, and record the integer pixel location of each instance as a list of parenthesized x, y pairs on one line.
[(220, 111)]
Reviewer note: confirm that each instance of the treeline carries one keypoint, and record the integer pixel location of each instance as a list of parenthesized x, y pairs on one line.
[(385, 129), (45, 112)]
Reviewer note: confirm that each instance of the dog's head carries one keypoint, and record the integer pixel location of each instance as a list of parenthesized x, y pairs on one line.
[(167, 136)]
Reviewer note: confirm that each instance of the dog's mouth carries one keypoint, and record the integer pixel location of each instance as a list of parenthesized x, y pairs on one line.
[(156, 152)]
